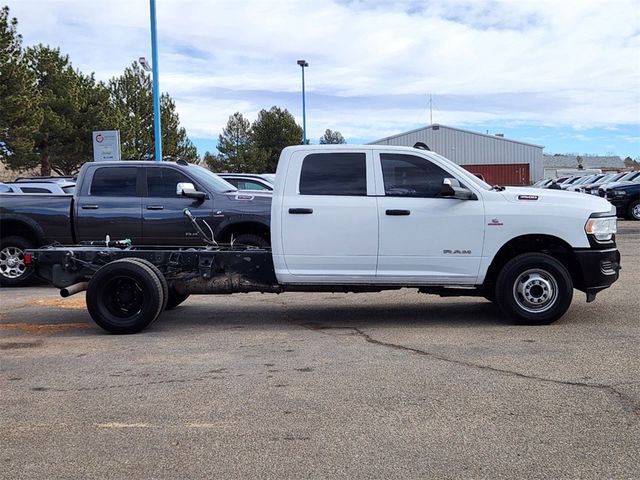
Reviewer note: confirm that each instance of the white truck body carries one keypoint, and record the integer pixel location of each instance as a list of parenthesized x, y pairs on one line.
[(442, 241)]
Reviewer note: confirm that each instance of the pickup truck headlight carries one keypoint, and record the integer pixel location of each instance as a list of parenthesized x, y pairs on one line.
[(602, 228)]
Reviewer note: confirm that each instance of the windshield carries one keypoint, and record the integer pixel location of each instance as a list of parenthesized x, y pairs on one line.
[(211, 180)]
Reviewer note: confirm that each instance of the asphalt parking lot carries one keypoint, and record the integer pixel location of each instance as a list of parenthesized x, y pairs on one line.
[(385, 385)]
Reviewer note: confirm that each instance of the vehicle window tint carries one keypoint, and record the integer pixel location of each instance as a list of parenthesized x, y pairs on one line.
[(114, 182), (408, 175), (250, 185), (334, 174), (162, 181), (34, 190), (233, 181)]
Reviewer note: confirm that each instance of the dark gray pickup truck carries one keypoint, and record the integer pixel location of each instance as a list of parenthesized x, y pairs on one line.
[(142, 201)]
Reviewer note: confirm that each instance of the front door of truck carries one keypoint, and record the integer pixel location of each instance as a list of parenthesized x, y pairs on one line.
[(164, 222), (329, 220), (425, 238), (109, 203)]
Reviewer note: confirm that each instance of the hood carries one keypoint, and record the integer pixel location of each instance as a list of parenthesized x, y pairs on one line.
[(561, 198)]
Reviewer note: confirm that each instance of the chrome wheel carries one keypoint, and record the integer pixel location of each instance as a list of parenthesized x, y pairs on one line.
[(12, 262), (535, 290), (635, 211)]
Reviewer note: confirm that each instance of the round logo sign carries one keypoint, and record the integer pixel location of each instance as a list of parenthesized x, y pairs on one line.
[(99, 138)]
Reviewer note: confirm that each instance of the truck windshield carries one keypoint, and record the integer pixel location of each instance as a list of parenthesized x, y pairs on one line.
[(211, 180)]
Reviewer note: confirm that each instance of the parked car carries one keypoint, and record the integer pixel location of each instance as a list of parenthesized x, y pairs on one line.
[(626, 199), (571, 186), (629, 177), (592, 187), (579, 186), (248, 181), (141, 201)]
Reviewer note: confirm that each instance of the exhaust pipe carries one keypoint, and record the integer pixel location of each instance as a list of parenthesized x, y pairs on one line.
[(73, 289)]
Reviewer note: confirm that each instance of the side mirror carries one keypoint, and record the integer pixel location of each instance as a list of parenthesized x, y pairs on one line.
[(188, 190), (451, 188)]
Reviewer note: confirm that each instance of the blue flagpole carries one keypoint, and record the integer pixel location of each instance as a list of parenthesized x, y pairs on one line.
[(156, 89)]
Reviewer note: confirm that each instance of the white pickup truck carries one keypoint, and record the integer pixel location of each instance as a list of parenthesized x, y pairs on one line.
[(362, 219)]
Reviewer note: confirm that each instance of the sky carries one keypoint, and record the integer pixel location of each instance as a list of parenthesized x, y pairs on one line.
[(560, 73)]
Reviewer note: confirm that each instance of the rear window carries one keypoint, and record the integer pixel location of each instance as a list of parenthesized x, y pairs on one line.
[(114, 182), (34, 190), (334, 174)]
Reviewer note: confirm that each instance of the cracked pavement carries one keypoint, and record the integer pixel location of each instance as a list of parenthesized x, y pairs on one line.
[(386, 385)]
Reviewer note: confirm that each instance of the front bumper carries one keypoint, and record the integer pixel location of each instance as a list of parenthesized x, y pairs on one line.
[(621, 205), (599, 270)]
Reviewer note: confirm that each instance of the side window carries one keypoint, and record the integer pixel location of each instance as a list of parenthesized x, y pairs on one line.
[(34, 190), (250, 185), (114, 182), (334, 174), (411, 176), (162, 181)]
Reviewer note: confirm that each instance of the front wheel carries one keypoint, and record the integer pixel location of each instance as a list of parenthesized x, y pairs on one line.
[(633, 211), (534, 289), (14, 272)]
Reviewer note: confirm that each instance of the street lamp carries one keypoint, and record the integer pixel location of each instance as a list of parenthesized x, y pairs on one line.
[(303, 63)]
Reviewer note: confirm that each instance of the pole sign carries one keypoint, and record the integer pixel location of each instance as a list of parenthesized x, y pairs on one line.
[(106, 145)]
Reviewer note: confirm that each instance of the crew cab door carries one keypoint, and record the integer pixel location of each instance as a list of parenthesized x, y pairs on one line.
[(329, 223), (110, 203), (425, 238), (164, 222)]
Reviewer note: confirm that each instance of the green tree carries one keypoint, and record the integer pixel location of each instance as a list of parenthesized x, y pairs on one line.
[(331, 137), (132, 100), (20, 112), (274, 130), (73, 105), (237, 149)]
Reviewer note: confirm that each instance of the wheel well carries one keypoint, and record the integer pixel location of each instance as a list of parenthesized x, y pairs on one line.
[(548, 244), (252, 228), (15, 228)]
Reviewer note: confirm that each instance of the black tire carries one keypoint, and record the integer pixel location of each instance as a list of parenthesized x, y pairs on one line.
[(633, 211), (125, 296), (175, 299), (534, 289), (251, 240), (156, 270), (13, 271)]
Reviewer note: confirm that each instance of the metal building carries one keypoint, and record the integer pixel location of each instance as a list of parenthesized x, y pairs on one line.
[(500, 160)]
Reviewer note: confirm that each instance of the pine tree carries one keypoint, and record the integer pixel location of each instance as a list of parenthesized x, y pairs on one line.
[(274, 130), (237, 149), (331, 137)]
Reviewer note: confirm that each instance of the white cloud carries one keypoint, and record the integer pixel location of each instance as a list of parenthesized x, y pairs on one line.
[(579, 58)]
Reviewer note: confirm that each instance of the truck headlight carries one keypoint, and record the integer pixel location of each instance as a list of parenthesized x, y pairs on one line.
[(602, 228)]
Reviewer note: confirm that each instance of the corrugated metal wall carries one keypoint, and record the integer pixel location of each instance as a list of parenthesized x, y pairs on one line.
[(508, 174), (469, 148)]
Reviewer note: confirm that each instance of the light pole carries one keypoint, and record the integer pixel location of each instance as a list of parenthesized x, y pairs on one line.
[(156, 89), (303, 63)]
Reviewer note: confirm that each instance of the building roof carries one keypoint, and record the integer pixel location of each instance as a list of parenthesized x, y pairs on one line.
[(571, 161), (438, 126)]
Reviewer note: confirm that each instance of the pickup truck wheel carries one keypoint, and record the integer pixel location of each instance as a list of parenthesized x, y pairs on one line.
[(156, 270), (534, 289), (13, 271), (124, 297), (175, 299), (633, 212), (251, 240)]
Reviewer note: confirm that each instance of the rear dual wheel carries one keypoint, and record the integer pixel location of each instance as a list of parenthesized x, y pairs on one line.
[(127, 295)]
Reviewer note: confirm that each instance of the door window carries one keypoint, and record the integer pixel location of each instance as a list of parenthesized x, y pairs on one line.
[(334, 174), (114, 182), (411, 176), (162, 182)]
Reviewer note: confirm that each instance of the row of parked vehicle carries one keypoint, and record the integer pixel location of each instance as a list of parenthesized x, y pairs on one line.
[(621, 189), (51, 185)]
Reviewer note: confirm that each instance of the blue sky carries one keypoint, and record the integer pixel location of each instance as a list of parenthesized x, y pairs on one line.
[(560, 74)]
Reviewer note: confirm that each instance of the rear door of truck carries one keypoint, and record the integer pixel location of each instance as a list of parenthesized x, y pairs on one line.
[(110, 203)]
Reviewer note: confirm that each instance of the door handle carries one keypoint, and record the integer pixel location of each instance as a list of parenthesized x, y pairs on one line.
[(300, 211), (155, 207), (89, 207), (398, 212)]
